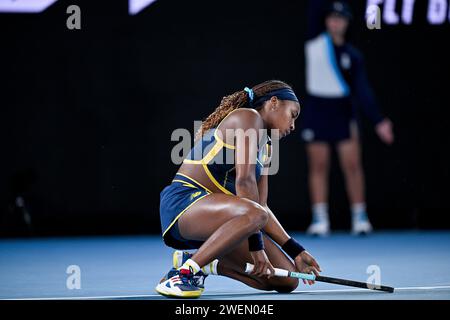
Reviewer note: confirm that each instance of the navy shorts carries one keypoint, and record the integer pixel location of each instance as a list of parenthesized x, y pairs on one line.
[(326, 120), (175, 199)]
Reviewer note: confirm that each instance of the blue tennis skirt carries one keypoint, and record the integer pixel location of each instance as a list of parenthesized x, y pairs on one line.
[(175, 199)]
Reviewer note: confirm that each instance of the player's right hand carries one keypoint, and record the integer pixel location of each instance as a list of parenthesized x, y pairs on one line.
[(261, 264)]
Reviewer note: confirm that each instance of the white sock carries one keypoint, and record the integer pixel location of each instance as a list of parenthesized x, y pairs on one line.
[(320, 211), (191, 264), (211, 268), (358, 208)]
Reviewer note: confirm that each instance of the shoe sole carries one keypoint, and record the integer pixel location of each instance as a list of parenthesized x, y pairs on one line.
[(324, 232), (362, 231), (184, 295)]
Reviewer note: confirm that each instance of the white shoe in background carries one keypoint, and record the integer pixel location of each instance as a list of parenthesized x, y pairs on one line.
[(361, 224), (320, 226)]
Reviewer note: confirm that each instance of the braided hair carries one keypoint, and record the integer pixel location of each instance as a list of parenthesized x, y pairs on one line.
[(238, 100)]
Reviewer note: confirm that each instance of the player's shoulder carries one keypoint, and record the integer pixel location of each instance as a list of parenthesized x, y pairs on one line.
[(246, 118), (247, 112)]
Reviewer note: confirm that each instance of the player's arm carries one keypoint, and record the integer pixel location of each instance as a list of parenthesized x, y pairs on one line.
[(304, 262), (273, 228), (246, 143), (247, 129)]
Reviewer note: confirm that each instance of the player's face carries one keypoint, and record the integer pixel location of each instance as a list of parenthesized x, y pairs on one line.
[(336, 24), (284, 116)]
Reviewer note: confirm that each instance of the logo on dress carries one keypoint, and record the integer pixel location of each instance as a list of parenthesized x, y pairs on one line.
[(346, 62), (195, 194), (308, 135)]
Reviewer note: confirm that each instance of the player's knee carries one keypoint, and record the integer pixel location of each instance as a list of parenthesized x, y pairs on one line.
[(257, 215), (281, 285), (286, 285), (265, 286)]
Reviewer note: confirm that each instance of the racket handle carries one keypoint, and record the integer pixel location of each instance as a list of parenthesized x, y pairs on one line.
[(278, 272), (284, 273)]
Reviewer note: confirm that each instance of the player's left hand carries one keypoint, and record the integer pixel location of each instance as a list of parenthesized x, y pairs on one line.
[(305, 263)]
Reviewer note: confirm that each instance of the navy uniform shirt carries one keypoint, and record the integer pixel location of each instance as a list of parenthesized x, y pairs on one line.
[(336, 75)]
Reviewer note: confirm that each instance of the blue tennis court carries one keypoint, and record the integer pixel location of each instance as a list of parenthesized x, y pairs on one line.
[(128, 267)]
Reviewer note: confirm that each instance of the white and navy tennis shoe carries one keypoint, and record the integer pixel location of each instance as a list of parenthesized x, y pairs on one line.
[(179, 284)]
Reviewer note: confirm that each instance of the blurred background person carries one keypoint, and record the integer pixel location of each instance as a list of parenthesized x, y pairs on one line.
[(335, 74)]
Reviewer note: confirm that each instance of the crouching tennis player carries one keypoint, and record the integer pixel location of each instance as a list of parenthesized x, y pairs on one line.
[(220, 207)]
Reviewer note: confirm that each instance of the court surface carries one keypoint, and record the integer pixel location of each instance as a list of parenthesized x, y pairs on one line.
[(416, 263)]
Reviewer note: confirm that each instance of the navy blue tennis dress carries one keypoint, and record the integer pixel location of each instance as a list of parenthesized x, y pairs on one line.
[(217, 159)]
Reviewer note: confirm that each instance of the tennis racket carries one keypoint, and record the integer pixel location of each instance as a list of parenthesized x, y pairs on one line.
[(285, 273)]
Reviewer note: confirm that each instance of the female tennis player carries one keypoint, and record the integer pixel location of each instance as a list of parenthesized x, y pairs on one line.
[(217, 201)]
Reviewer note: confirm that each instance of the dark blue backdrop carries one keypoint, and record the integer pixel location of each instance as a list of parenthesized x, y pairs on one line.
[(87, 114)]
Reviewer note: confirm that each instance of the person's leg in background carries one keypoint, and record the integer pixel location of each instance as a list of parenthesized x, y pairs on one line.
[(349, 153), (318, 168)]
